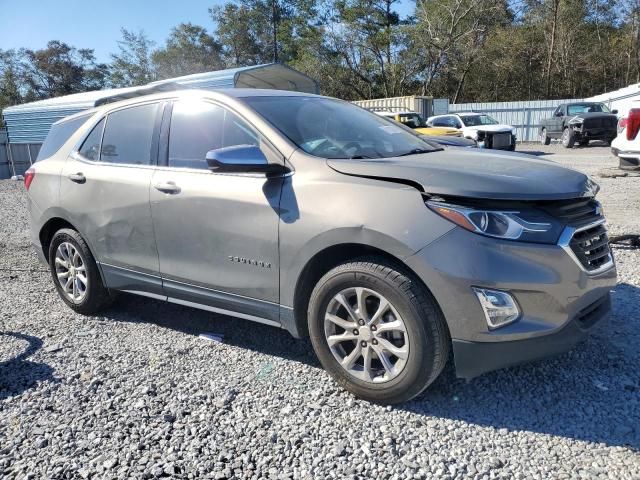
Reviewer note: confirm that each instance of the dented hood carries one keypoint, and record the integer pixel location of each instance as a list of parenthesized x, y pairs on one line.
[(475, 174)]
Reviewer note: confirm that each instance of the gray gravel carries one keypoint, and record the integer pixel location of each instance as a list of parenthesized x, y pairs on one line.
[(136, 393)]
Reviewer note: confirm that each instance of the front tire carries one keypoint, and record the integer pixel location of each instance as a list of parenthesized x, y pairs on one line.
[(568, 138), (544, 138), (75, 273), (377, 331)]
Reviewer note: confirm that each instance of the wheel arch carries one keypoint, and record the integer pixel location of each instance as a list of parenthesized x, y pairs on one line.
[(326, 259), (48, 230)]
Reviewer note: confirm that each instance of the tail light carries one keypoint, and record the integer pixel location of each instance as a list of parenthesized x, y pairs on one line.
[(633, 123), (622, 124), (29, 175)]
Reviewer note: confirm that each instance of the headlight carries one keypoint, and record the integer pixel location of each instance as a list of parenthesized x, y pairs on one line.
[(576, 120), (526, 226)]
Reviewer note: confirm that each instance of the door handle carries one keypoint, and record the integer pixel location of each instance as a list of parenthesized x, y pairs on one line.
[(77, 177), (167, 187)]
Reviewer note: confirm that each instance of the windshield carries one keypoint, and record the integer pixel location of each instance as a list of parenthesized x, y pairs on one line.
[(411, 120), (330, 128), (577, 108), (475, 120)]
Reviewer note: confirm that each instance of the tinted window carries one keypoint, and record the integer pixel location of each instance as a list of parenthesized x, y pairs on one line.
[(90, 148), (197, 127), (329, 128), (128, 135), (59, 134), (577, 108), (477, 120)]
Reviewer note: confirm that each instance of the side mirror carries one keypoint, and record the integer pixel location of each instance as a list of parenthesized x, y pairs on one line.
[(241, 159), (614, 111)]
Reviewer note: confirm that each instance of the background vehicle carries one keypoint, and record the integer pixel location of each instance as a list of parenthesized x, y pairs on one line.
[(314, 215), (579, 123), (414, 121), (451, 141), (479, 127), (626, 145)]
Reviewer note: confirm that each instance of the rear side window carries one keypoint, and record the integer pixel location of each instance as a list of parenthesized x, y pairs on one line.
[(59, 134), (128, 135), (90, 148), (197, 127)]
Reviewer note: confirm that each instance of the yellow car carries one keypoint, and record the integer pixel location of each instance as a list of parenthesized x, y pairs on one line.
[(414, 121)]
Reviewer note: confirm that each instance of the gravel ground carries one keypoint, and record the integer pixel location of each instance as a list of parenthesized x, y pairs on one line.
[(135, 393)]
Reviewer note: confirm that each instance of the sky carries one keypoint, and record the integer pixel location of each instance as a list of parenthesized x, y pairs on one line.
[(96, 24)]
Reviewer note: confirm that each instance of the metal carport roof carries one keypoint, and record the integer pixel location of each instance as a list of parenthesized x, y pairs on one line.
[(30, 122)]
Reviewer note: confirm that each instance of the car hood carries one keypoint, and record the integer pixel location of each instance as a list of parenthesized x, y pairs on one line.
[(475, 174), (490, 128), (594, 115)]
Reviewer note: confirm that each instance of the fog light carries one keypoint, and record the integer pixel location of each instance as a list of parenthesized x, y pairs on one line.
[(500, 308)]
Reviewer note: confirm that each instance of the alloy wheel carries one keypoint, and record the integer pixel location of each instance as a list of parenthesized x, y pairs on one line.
[(366, 335), (71, 272)]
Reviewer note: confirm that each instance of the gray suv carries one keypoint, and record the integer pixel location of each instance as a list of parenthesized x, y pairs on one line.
[(314, 215)]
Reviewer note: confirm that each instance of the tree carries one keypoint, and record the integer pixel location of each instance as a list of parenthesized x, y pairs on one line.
[(59, 69), (132, 65), (189, 49), (9, 81)]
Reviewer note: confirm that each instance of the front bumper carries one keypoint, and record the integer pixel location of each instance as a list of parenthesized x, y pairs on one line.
[(553, 293), (475, 358), (595, 133)]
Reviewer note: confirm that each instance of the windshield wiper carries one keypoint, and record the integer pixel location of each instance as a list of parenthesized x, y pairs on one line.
[(358, 157), (416, 151)]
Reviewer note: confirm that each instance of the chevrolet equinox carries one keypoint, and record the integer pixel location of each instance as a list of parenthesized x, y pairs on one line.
[(311, 214)]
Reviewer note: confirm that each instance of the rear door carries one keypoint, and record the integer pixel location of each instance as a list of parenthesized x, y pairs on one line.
[(105, 192), (217, 233)]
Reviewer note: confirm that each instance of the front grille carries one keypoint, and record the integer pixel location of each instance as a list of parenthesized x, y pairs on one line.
[(603, 122), (575, 212), (591, 247), (500, 140)]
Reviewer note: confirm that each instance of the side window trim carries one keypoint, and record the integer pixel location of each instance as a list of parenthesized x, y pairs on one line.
[(155, 143), (163, 147)]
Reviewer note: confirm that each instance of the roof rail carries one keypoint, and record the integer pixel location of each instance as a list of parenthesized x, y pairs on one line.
[(140, 92)]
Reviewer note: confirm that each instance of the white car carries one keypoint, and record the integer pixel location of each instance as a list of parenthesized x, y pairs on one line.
[(479, 127), (626, 146)]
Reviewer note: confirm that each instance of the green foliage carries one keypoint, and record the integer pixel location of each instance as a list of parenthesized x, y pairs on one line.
[(132, 65), (189, 49), (466, 50)]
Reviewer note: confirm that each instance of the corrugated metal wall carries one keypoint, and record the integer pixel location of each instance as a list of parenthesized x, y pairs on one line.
[(15, 159), (525, 116), (422, 105)]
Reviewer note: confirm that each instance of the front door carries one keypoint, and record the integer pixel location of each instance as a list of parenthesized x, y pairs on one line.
[(217, 234), (105, 191)]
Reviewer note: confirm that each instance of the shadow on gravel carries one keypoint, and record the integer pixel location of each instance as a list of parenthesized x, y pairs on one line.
[(236, 332), (19, 374), (591, 393)]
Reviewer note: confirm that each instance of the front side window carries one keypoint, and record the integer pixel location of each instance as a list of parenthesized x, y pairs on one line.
[(478, 120), (197, 127), (330, 128), (128, 135)]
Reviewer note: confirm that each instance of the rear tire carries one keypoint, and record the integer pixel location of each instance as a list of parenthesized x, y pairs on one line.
[(420, 334), (568, 138), (544, 138), (75, 273)]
